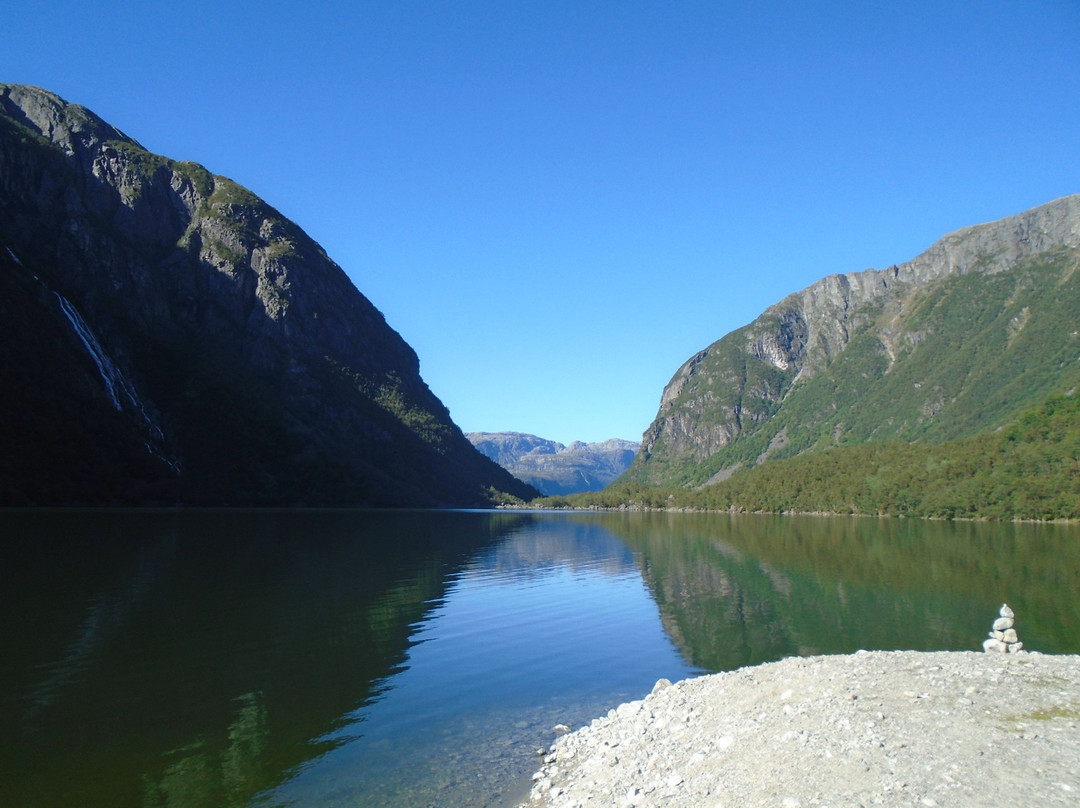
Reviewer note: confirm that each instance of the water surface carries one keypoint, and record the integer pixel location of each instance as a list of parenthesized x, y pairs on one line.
[(339, 658)]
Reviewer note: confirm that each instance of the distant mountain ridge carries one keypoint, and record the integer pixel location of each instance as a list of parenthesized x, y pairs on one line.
[(955, 342), (553, 468), (168, 337)]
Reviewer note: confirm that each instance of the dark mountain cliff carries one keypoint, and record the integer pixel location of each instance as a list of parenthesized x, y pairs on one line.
[(554, 468), (952, 343), (170, 337)]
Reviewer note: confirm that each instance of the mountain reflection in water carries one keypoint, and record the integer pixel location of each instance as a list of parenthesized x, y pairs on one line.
[(326, 658), (191, 657), (740, 590)]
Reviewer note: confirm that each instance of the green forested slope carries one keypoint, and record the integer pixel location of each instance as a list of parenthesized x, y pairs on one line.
[(1030, 469), (969, 356), (963, 356)]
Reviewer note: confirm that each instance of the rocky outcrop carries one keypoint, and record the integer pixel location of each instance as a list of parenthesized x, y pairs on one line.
[(220, 337), (807, 329), (554, 468), (723, 394)]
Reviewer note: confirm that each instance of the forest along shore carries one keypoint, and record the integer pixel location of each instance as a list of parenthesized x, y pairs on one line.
[(892, 728)]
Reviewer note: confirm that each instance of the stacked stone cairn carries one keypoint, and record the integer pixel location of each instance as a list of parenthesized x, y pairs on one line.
[(1003, 639)]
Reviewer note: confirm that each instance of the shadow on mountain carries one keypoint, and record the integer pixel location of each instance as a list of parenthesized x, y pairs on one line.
[(196, 658), (195, 345)]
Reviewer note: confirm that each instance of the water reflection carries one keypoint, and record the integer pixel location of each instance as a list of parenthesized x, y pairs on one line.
[(356, 658), (739, 590), (189, 658), (551, 624), (199, 776)]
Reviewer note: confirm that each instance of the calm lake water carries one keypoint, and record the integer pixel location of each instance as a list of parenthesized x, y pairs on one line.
[(341, 658)]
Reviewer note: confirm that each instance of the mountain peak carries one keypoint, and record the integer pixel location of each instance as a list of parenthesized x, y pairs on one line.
[(553, 468), (72, 127), (770, 388), (248, 359)]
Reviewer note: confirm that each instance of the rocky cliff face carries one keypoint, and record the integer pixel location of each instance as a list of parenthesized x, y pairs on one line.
[(184, 320), (771, 387), (553, 468)]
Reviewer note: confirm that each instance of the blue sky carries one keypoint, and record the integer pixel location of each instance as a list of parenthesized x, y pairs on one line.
[(556, 204)]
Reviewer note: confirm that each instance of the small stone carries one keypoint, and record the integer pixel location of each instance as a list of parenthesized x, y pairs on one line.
[(1016, 648), (992, 645), (1003, 623), (661, 684), (997, 635), (1010, 635), (562, 729), (1006, 611), (629, 709)]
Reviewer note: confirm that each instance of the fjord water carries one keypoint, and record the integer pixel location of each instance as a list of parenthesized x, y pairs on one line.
[(341, 658)]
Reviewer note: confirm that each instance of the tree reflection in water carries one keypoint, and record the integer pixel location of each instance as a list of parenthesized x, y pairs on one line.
[(740, 590), (231, 658)]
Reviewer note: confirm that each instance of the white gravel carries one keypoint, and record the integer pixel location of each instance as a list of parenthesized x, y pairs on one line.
[(899, 728)]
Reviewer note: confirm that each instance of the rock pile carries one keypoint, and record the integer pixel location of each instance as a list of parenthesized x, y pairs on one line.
[(1003, 637)]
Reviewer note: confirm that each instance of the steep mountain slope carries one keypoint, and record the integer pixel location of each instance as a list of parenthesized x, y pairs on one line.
[(955, 342), (170, 337), (553, 468)]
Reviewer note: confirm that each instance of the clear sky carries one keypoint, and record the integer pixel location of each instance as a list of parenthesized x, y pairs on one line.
[(558, 203)]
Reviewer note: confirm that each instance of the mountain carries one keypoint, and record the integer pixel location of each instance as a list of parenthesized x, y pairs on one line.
[(169, 337), (555, 469), (956, 342)]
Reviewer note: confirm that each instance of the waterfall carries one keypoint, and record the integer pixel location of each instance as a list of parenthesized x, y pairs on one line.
[(109, 374), (115, 383)]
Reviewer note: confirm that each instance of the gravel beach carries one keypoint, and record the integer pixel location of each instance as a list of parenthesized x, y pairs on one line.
[(899, 728)]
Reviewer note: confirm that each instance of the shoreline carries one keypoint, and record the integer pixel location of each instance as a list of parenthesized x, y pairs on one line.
[(632, 508), (893, 728)]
